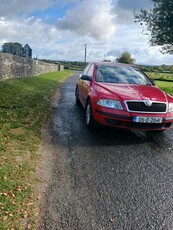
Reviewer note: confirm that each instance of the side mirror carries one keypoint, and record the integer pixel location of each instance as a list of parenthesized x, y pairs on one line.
[(85, 78)]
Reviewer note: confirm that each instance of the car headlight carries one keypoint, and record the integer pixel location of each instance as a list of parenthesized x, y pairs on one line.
[(114, 104), (170, 107)]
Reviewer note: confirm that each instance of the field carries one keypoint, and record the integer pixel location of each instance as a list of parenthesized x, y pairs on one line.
[(163, 81), (160, 76), (24, 108), (166, 86)]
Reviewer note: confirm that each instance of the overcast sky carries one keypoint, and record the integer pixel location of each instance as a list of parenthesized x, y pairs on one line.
[(58, 29)]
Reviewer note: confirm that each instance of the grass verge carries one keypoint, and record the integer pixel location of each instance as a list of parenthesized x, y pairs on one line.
[(24, 108), (163, 81), (165, 86)]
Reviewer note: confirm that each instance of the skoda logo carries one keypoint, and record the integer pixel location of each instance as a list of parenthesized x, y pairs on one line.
[(148, 103)]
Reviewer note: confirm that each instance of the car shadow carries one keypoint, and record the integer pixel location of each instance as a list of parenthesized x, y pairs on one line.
[(107, 136)]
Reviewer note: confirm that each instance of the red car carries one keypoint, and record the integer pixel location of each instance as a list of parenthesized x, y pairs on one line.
[(122, 96)]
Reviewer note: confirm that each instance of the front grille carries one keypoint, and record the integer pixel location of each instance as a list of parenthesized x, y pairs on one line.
[(139, 106)]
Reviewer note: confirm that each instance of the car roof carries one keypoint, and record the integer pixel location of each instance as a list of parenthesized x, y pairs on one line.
[(113, 64)]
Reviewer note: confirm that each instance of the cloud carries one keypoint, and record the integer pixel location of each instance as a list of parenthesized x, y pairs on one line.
[(23, 29), (28, 30), (91, 18), (10, 8), (125, 9), (133, 4), (129, 39), (79, 22), (45, 40), (142, 55)]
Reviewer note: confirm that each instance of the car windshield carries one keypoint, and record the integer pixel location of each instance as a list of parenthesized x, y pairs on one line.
[(121, 75)]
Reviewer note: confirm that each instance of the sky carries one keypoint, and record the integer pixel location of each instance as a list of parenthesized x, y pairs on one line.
[(58, 29)]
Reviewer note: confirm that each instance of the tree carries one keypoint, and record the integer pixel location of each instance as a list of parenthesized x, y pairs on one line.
[(7, 47), (126, 58), (19, 49), (12, 48), (105, 60), (159, 21)]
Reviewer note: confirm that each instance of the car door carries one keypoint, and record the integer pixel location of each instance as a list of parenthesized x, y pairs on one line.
[(86, 85), (81, 85)]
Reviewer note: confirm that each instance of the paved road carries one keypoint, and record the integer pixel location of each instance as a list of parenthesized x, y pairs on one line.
[(106, 179)]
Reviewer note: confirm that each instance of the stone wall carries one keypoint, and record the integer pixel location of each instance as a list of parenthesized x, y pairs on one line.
[(12, 66)]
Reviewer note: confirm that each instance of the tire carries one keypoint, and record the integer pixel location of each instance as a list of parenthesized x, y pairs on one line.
[(77, 97), (89, 116)]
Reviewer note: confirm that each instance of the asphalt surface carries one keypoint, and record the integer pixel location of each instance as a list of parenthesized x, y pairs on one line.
[(107, 178)]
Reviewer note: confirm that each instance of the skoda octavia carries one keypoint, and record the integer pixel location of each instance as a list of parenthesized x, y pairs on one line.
[(122, 96)]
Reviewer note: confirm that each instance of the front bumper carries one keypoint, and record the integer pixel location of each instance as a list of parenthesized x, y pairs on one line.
[(122, 119)]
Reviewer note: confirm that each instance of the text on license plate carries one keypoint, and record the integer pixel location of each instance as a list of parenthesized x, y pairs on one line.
[(148, 119)]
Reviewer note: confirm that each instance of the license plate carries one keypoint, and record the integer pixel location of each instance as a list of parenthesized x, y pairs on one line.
[(147, 119)]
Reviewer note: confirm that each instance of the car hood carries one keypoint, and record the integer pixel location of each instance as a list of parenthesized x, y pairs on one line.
[(130, 92)]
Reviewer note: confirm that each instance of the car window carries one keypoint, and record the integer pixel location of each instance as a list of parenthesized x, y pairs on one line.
[(121, 75), (90, 71), (86, 69)]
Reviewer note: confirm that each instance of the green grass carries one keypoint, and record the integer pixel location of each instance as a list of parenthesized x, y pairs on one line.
[(163, 81), (24, 108), (160, 76), (165, 86)]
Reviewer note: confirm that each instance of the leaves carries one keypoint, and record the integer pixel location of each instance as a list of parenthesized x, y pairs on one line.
[(159, 23), (126, 58)]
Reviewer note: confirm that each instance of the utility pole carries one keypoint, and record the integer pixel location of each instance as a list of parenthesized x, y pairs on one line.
[(85, 52)]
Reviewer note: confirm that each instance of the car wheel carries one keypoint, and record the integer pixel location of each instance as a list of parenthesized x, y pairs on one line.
[(77, 97), (89, 116)]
